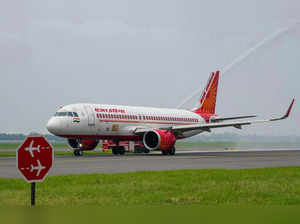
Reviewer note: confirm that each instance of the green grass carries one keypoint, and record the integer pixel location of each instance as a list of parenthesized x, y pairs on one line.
[(250, 187)]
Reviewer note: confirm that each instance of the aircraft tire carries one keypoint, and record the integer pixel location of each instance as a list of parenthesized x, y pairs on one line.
[(78, 152), (115, 150), (172, 151), (165, 152), (146, 150), (121, 150)]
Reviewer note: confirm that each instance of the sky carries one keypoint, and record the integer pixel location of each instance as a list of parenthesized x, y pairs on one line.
[(147, 53)]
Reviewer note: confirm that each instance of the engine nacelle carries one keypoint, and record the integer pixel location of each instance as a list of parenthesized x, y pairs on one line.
[(159, 139), (85, 144)]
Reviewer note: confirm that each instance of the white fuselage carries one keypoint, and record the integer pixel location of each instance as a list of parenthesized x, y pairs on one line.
[(98, 121)]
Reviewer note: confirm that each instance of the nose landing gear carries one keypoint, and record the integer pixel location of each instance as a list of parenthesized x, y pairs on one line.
[(78, 152)]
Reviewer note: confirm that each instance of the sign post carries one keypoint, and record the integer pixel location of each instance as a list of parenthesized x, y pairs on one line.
[(34, 161), (33, 194)]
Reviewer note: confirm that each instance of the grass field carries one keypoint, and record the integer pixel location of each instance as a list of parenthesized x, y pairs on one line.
[(251, 187)]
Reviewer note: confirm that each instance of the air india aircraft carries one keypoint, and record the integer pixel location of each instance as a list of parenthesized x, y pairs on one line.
[(157, 128)]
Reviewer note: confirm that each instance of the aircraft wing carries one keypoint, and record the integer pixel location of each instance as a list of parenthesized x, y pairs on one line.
[(207, 127), (237, 124)]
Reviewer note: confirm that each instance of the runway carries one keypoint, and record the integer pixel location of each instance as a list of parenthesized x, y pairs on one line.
[(240, 159)]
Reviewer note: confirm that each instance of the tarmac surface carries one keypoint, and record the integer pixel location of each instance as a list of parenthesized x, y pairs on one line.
[(193, 159)]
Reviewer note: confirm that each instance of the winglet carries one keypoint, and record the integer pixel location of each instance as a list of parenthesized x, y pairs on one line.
[(287, 114), (289, 110)]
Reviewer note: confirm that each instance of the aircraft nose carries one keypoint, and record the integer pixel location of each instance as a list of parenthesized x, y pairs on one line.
[(53, 126)]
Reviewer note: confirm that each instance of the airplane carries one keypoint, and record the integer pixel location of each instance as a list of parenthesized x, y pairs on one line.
[(30, 149), (39, 168), (85, 124)]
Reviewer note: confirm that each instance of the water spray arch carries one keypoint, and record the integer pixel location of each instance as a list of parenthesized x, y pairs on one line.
[(244, 56)]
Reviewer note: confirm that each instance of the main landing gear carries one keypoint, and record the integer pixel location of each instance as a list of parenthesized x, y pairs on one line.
[(139, 149), (118, 150), (170, 151)]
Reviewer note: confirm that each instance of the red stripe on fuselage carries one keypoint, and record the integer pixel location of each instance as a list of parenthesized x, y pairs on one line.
[(101, 137), (139, 122)]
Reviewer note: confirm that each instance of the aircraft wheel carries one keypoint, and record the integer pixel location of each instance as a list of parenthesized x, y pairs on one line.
[(121, 150), (78, 152), (146, 150), (172, 151), (164, 152), (115, 150)]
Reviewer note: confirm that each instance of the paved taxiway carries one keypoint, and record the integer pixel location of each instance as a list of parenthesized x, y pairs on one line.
[(182, 160)]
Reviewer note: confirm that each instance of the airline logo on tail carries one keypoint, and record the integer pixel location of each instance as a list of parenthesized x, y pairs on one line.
[(209, 95)]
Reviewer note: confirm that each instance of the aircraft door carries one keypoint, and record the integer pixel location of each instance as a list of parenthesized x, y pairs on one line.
[(91, 115)]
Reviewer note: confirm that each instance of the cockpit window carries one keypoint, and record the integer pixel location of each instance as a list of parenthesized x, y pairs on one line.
[(66, 114), (63, 114)]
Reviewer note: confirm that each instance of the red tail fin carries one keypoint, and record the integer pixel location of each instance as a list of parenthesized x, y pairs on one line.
[(209, 95)]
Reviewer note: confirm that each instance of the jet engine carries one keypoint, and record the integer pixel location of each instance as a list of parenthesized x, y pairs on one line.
[(159, 139), (84, 145)]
